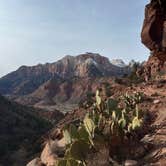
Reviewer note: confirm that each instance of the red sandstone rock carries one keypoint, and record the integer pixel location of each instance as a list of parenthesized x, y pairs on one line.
[(153, 36)]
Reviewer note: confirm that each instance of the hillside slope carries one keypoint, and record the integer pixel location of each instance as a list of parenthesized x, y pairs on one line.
[(20, 127), (153, 135), (63, 95)]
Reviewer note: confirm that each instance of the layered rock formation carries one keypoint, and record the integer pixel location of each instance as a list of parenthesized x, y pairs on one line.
[(53, 94), (154, 37), (26, 80), (60, 85)]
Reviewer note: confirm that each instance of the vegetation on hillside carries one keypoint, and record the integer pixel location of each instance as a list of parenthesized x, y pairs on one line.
[(20, 128), (110, 122)]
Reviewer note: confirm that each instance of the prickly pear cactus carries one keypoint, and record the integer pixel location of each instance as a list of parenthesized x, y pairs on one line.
[(83, 134), (112, 104), (79, 150), (70, 133), (90, 126), (117, 120), (98, 98), (136, 123)]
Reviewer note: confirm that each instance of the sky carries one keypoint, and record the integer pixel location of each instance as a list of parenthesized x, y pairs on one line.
[(40, 31)]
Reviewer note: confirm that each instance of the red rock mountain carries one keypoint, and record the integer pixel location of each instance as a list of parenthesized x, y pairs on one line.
[(26, 80), (60, 85)]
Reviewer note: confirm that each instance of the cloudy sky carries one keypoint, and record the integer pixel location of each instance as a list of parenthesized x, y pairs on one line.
[(40, 31)]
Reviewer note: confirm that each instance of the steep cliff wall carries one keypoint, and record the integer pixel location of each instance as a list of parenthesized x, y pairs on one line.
[(153, 36)]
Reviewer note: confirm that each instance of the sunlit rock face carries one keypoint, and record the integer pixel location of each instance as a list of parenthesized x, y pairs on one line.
[(118, 62), (154, 27), (27, 79), (153, 36), (85, 65)]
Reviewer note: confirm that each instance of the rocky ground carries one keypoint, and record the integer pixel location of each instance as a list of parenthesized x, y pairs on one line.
[(21, 129), (155, 136)]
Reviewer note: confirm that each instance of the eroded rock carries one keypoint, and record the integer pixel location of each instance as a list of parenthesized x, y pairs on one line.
[(51, 151), (35, 162), (131, 163), (153, 36)]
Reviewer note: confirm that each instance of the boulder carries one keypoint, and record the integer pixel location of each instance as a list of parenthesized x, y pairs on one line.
[(52, 150), (156, 101), (35, 162), (131, 163)]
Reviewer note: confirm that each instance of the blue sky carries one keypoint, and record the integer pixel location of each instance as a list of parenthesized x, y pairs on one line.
[(40, 31)]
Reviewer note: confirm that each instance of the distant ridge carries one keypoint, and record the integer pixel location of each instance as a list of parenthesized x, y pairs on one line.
[(26, 79)]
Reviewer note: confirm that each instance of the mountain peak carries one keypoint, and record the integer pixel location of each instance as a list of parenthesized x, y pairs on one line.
[(26, 79), (118, 62)]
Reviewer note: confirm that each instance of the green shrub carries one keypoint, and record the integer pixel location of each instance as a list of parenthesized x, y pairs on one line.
[(105, 114)]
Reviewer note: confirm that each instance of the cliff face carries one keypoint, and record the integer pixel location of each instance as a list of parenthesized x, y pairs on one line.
[(153, 36)]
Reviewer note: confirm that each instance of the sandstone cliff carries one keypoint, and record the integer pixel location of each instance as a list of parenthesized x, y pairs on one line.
[(154, 37)]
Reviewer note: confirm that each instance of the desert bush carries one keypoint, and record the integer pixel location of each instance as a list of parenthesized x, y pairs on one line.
[(105, 123)]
